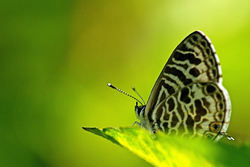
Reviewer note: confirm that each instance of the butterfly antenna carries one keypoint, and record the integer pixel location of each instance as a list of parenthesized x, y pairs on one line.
[(138, 94), (121, 91)]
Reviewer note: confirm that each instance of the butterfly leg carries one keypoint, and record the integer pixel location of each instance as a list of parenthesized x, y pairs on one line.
[(138, 123), (226, 135)]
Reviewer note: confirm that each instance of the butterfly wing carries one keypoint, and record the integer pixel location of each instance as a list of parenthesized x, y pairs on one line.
[(194, 60), (198, 110)]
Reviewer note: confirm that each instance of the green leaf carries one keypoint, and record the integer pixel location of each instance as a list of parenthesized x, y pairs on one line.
[(162, 150)]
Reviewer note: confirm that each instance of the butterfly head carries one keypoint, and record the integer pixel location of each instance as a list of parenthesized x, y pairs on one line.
[(139, 110)]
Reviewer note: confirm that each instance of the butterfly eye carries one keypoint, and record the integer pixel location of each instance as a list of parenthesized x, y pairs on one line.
[(215, 127), (139, 110)]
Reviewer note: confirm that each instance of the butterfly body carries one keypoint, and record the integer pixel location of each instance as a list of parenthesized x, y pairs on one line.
[(188, 98)]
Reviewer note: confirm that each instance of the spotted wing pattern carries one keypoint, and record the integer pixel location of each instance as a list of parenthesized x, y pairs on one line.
[(188, 98)]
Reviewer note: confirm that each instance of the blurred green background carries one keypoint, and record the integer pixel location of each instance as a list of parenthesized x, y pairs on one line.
[(56, 58)]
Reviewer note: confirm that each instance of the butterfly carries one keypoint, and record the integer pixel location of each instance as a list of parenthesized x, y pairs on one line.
[(188, 98)]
